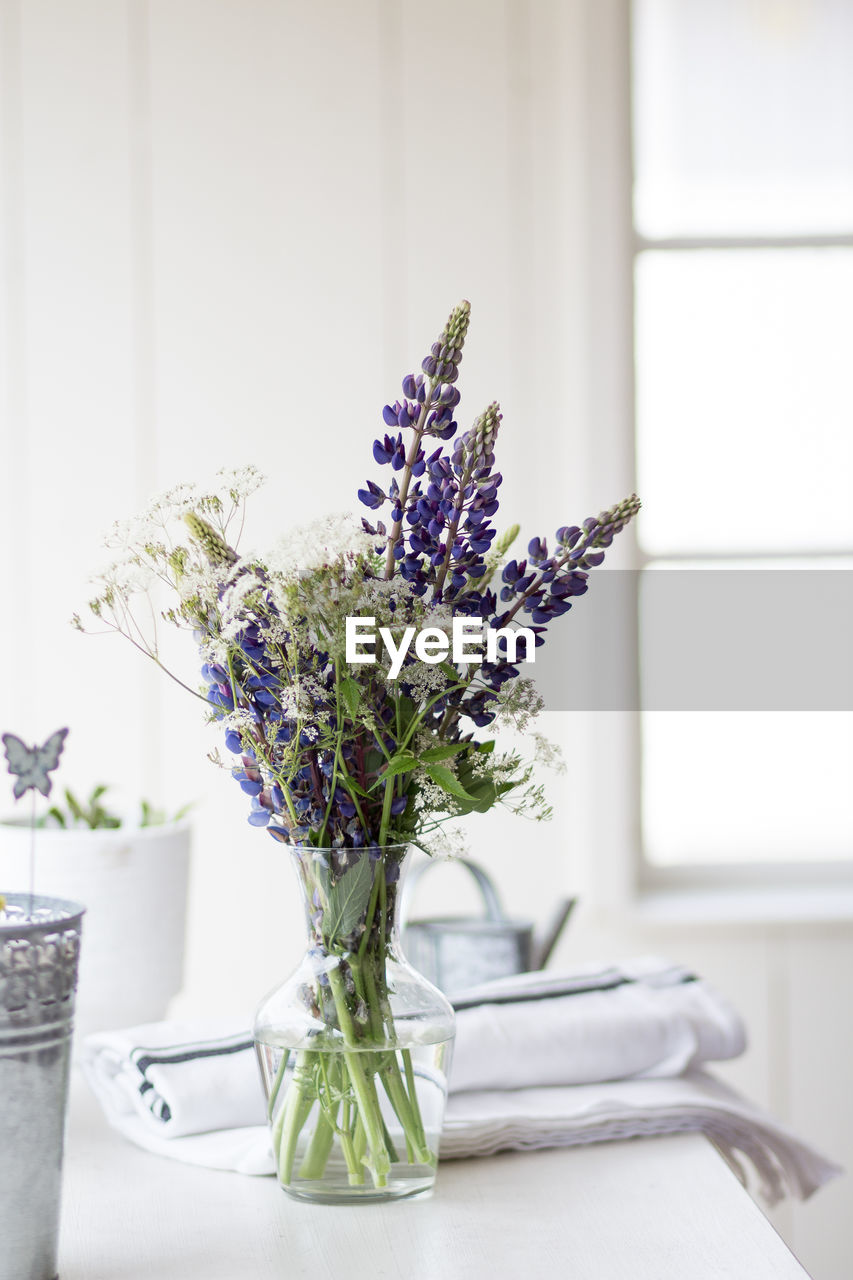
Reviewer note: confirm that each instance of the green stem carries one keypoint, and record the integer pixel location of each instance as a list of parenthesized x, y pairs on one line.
[(386, 817), (411, 459), (368, 1103), (405, 1105), (291, 1119), (353, 1160), (320, 1146), (359, 1141), (276, 1084), (450, 532), (355, 1170), (416, 1111)]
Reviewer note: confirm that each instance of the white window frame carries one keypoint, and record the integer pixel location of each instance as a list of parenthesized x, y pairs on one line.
[(621, 878)]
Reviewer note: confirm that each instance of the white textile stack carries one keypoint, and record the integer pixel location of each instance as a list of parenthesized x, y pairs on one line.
[(540, 1060)]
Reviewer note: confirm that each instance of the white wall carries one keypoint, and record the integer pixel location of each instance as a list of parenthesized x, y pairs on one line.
[(228, 228)]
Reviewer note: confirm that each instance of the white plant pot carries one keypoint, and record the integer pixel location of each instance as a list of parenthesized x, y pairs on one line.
[(133, 883)]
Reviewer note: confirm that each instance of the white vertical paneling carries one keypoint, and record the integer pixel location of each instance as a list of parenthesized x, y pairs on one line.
[(267, 241), (267, 186), (456, 183), (14, 471), (460, 142), (394, 66), (68, 345)]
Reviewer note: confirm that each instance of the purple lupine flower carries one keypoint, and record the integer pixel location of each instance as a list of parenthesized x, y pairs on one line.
[(372, 496)]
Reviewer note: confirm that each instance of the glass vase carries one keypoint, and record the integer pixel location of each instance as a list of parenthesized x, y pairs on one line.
[(354, 1048)]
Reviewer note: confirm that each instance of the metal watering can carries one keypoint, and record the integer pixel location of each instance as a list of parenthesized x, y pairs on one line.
[(455, 952)]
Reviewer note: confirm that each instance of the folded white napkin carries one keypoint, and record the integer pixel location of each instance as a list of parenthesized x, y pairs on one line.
[(482, 1123), (523, 1046), (642, 1018)]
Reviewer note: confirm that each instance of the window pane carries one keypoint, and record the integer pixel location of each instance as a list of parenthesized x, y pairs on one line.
[(745, 400), (743, 116), (747, 786)]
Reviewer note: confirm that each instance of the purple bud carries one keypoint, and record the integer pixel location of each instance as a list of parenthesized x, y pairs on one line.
[(389, 413), (409, 386)]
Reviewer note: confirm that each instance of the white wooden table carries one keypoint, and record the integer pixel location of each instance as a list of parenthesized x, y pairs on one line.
[(652, 1209)]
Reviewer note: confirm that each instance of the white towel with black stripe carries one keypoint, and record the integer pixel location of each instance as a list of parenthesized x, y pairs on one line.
[(172, 1079), (532, 1060), (643, 1018)]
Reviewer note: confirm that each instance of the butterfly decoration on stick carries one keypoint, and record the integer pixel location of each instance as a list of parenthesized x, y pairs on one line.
[(32, 766)]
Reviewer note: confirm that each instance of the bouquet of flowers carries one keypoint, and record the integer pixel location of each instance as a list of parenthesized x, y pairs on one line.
[(349, 749)]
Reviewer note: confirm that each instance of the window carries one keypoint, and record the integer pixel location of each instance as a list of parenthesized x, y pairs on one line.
[(743, 221)]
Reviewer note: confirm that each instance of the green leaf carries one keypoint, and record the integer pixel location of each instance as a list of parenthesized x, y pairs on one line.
[(348, 898), (447, 781), (404, 762), (351, 694), (373, 761), (407, 709), (74, 806), (349, 784), (444, 752)]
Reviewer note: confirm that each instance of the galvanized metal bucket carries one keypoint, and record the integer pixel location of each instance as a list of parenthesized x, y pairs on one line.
[(456, 952), (39, 956)]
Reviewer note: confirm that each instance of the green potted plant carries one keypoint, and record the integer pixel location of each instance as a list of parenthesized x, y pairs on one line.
[(132, 874)]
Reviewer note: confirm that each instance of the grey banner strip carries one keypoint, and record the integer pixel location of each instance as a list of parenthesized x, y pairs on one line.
[(703, 640)]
